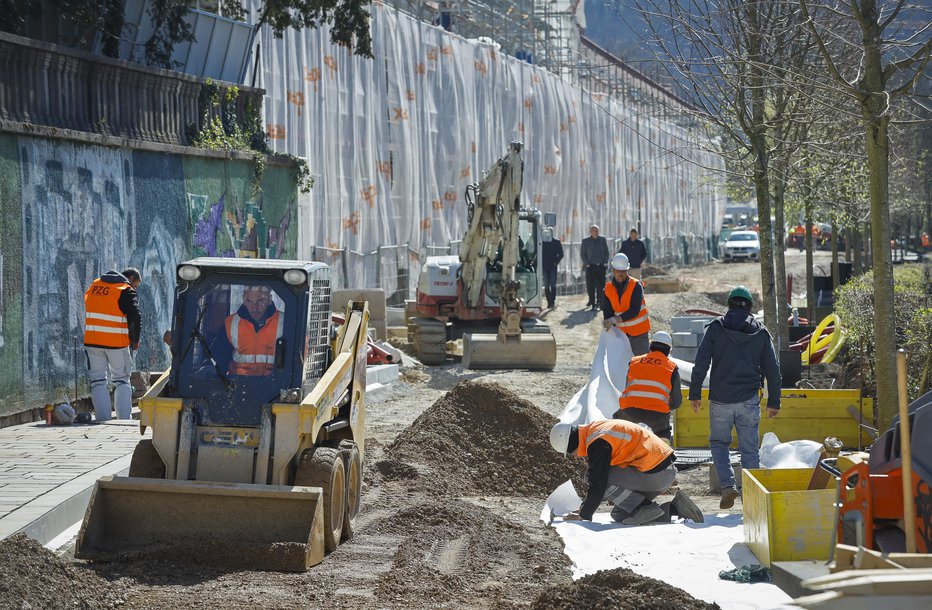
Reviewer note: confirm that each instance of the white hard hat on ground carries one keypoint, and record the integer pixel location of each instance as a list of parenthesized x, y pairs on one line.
[(621, 262), (560, 436), (662, 337)]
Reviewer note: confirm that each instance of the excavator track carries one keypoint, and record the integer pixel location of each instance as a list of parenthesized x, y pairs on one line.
[(428, 337)]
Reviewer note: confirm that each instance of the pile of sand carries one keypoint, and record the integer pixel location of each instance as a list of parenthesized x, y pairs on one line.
[(31, 577), (482, 438), (618, 589)]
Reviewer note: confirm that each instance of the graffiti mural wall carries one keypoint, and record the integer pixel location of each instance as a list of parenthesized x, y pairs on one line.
[(72, 211)]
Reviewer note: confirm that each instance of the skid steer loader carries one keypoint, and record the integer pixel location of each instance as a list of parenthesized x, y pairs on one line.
[(257, 428)]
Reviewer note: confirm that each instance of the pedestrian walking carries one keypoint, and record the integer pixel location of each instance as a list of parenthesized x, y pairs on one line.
[(624, 306), (551, 255), (636, 252), (594, 253), (112, 324), (740, 351)]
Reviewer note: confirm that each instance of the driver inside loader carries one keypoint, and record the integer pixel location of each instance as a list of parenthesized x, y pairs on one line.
[(252, 333)]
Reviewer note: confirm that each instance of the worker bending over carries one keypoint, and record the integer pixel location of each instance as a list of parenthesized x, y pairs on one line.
[(624, 306), (628, 465), (653, 388)]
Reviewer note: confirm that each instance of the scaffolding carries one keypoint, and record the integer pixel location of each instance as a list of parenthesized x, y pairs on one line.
[(546, 33)]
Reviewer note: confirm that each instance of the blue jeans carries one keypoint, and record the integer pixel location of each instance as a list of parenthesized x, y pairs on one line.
[(745, 418), (550, 285)]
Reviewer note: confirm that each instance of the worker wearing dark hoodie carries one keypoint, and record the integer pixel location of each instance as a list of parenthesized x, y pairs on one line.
[(741, 353)]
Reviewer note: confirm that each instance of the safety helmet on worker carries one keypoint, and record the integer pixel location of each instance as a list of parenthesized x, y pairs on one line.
[(621, 262), (663, 338), (560, 436), (741, 292)]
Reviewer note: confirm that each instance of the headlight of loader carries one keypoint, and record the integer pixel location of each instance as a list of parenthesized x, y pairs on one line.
[(295, 277), (189, 273)]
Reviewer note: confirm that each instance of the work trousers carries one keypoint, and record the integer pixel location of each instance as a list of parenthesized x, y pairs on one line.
[(550, 285), (640, 344), (116, 365), (595, 283), (628, 487), (743, 417)]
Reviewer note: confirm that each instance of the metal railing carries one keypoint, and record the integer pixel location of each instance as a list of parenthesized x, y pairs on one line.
[(46, 84)]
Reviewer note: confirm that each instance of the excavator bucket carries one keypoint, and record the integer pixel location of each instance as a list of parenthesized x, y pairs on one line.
[(259, 527), (533, 351)]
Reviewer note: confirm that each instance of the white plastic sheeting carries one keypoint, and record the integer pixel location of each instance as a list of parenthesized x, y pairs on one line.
[(598, 399), (393, 141)]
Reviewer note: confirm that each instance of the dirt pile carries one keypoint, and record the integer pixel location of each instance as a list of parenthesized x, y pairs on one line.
[(618, 589), (458, 548), (482, 438), (31, 577)]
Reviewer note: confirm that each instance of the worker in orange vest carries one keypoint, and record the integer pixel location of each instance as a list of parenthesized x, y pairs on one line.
[(624, 306), (628, 465), (112, 324), (924, 241), (253, 332), (653, 388)]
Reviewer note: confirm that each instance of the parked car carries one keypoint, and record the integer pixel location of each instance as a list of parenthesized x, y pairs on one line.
[(742, 245)]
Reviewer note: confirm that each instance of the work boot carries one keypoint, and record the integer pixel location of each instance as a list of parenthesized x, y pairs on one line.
[(686, 508), (619, 515), (644, 514), (728, 497)]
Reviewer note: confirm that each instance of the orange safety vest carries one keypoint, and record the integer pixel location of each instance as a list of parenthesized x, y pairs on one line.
[(925, 240), (104, 322), (253, 352), (639, 324), (648, 385), (632, 445)]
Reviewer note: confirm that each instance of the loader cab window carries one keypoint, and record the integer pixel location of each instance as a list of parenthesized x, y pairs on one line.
[(527, 236), (235, 354)]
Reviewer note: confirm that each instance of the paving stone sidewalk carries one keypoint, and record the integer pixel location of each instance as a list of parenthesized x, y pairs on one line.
[(43, 468)]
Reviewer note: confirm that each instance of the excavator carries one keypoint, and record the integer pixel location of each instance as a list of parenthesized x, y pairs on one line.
[(255, 459), (491, 293)]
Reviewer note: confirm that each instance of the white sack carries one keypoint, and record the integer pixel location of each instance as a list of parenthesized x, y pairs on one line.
[(794, 454)]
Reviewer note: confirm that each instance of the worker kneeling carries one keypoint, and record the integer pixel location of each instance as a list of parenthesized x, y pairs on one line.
[(628, 465), (652, 389)]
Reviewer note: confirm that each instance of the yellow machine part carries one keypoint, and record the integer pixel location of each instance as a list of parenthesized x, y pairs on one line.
[(534, 351), (259, 527)]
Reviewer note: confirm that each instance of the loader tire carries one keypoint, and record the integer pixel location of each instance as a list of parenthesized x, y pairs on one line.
[(353, 464), (146, 462), (323, 467)]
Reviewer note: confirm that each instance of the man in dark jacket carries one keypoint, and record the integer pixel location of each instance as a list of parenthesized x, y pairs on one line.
[(742, 356), (636, 252), (551, 255), (594, 253)]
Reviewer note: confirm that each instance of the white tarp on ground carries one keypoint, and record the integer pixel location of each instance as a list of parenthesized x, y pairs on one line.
[(393, 141), (685, 555), (598, 399)]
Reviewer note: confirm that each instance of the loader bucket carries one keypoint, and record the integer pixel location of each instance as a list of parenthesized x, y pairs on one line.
[(534, 351), (238, 525)]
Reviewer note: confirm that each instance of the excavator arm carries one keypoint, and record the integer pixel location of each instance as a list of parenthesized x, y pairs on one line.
[(493, 208)]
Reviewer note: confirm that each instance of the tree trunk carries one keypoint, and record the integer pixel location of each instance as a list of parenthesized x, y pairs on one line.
[(810, 272), (866, 246), (782, 331), (835, 273), (856, 246)]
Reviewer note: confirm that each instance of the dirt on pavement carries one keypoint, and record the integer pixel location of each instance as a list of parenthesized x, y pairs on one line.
[(438, 528)]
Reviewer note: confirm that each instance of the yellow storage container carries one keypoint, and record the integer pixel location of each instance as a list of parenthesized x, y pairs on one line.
[(783, 521)]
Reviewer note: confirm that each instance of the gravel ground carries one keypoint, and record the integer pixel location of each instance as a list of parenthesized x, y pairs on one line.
[(424, 539)]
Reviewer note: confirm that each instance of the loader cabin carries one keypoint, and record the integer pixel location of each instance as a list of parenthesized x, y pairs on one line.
[(244, 335)]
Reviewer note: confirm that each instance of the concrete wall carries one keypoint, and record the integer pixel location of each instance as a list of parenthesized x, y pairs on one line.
[(70, 211)]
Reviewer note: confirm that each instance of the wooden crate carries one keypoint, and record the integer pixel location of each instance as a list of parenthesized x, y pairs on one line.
[(804, 414), (783, 521)]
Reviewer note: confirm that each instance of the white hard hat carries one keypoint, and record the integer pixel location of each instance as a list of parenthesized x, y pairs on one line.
[(560, 436), (662, 337), (621, 262)]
